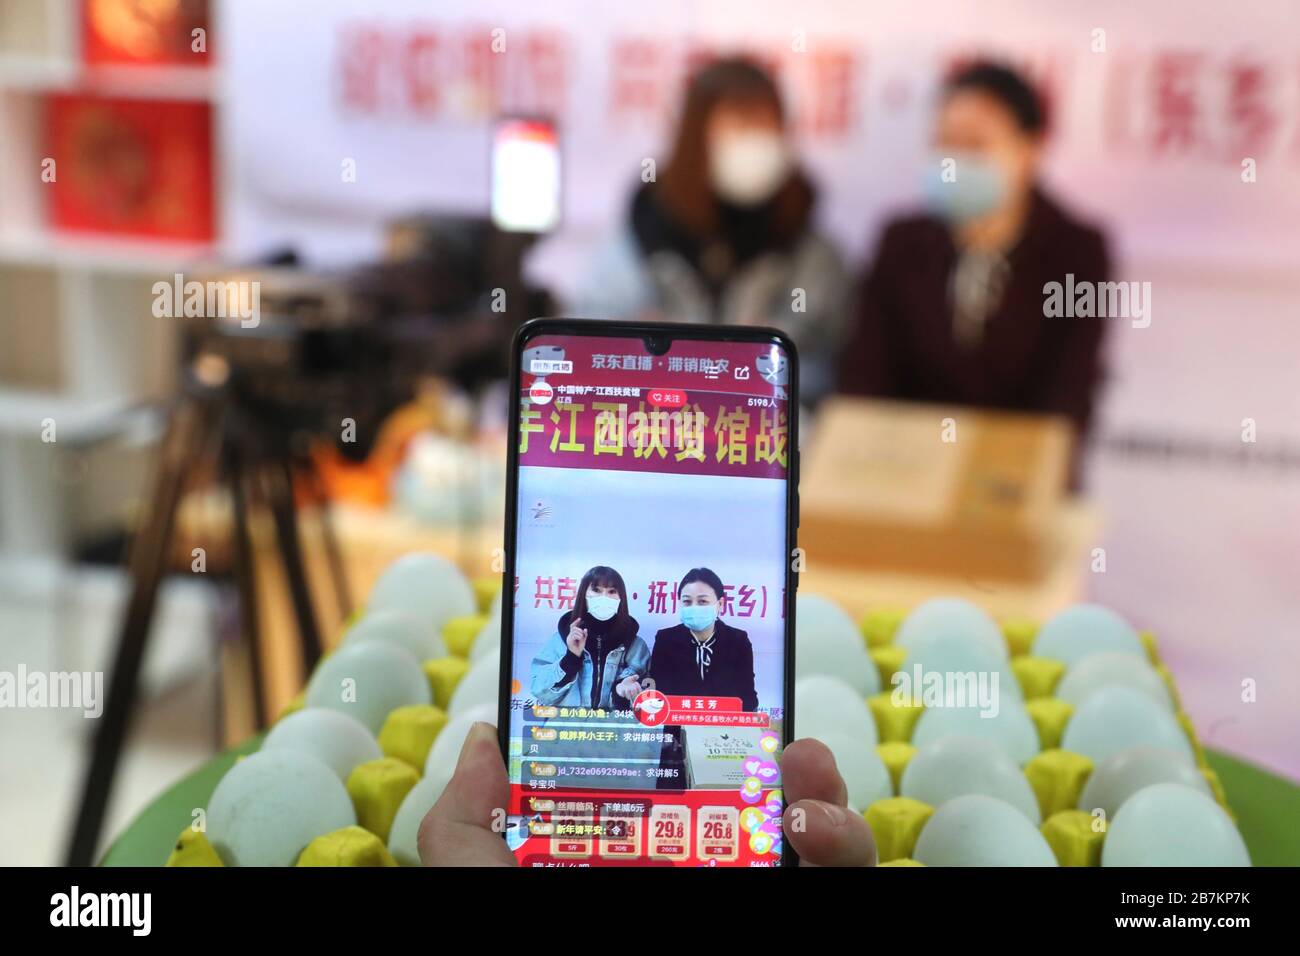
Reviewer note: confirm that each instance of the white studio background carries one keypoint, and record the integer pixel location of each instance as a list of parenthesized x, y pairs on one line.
[(406, 89)]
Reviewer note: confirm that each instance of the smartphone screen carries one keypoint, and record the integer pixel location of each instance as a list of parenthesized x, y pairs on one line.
[(648, 594), (526, 179)]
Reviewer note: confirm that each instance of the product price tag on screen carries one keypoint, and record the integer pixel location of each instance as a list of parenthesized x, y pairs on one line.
[(572, 836), (670, 832), (719, 830), (620, 836)]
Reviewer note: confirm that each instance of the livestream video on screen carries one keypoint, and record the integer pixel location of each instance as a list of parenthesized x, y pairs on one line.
[(648, 655)]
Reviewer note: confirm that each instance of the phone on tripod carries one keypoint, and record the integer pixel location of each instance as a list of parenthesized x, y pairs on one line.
[(527, 181), (647, 645)]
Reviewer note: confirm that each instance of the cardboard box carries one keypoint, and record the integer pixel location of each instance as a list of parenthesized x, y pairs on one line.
[(934, 490)]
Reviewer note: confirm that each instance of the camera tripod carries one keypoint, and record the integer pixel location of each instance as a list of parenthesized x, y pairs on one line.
[(253, 458)]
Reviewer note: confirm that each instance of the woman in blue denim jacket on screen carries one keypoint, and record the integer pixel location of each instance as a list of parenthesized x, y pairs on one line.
[(596, 657)]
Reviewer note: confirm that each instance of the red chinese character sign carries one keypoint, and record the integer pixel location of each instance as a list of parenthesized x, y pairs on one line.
[(696, 411)]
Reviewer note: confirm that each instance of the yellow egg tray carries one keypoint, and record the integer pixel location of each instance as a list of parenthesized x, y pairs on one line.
[(378, 787), (1057, 776)]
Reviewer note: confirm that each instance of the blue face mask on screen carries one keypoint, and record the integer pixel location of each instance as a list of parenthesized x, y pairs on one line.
[(698, 617), (960, 187)]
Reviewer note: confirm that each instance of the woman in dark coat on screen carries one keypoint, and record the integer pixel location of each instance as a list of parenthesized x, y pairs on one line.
[(703, 656)]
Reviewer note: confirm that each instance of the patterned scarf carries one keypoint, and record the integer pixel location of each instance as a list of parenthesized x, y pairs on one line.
[(704, 654)]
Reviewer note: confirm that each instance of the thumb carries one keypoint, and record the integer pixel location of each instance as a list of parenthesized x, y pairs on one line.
[(459, 831), (822, 830), (827, 834)]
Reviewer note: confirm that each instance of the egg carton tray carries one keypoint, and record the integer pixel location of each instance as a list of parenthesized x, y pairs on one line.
[(1056, 775), (387, 796), (384, 792)]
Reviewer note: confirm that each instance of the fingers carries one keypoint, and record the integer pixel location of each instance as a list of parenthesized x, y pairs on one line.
[(458, 831), (822, 830)]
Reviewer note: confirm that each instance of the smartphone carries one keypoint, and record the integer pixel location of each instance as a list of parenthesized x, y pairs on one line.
[(526, 175), (647, 648)]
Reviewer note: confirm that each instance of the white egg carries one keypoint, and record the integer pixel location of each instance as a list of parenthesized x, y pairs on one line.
[(866, 778), (401, 628), (1116, 717), (481, 685), (826, 619), (487, 641), (403, 838), (1084, 629), (270, 805), (1112, 668), (1169, 824), (488, 638), (827, 705), (951, 617), (1127, 771), (1009, 726), (979, 830), (446, 746), (337, 739), (955, 766), (428, 586), (964, 659), (828, 642), (367, 680)]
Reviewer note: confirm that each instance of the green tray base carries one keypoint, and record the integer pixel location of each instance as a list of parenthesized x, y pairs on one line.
[(1267, 809)]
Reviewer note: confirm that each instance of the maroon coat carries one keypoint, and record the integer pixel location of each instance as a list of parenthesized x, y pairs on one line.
[(903, 346)]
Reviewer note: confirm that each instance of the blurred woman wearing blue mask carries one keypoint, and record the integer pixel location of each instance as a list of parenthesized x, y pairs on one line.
[(703, 656), (953, 306), (596, 657)]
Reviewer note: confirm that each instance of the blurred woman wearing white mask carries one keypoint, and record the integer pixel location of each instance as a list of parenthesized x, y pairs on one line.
[(725, 233)]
